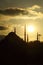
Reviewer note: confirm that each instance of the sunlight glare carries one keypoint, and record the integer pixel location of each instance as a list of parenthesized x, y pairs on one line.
[(30, 28)]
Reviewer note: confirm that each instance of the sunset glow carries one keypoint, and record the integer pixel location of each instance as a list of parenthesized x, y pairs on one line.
[(18, 13), (30, 28)]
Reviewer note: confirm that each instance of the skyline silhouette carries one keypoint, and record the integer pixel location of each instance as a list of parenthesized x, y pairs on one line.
[(26, 34), (14, 50)]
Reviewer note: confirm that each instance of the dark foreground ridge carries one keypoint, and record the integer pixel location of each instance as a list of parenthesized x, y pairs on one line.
[(13, 50)]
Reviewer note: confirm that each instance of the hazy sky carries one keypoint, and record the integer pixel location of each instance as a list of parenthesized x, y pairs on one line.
[(20, 12), (20, 3)]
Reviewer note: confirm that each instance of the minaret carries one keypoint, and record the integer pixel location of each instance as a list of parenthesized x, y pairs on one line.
[(27, 38), (38, 36), (25, 33), (15, 30)]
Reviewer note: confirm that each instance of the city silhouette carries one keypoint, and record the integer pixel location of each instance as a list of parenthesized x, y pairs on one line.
[(14, 50)]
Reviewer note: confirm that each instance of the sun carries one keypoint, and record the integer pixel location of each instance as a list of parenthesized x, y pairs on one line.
[(30, 28)]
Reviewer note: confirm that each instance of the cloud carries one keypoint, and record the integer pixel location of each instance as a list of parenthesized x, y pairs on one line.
[(33, 12), (35, 7), (3, 28), (12, 12)]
